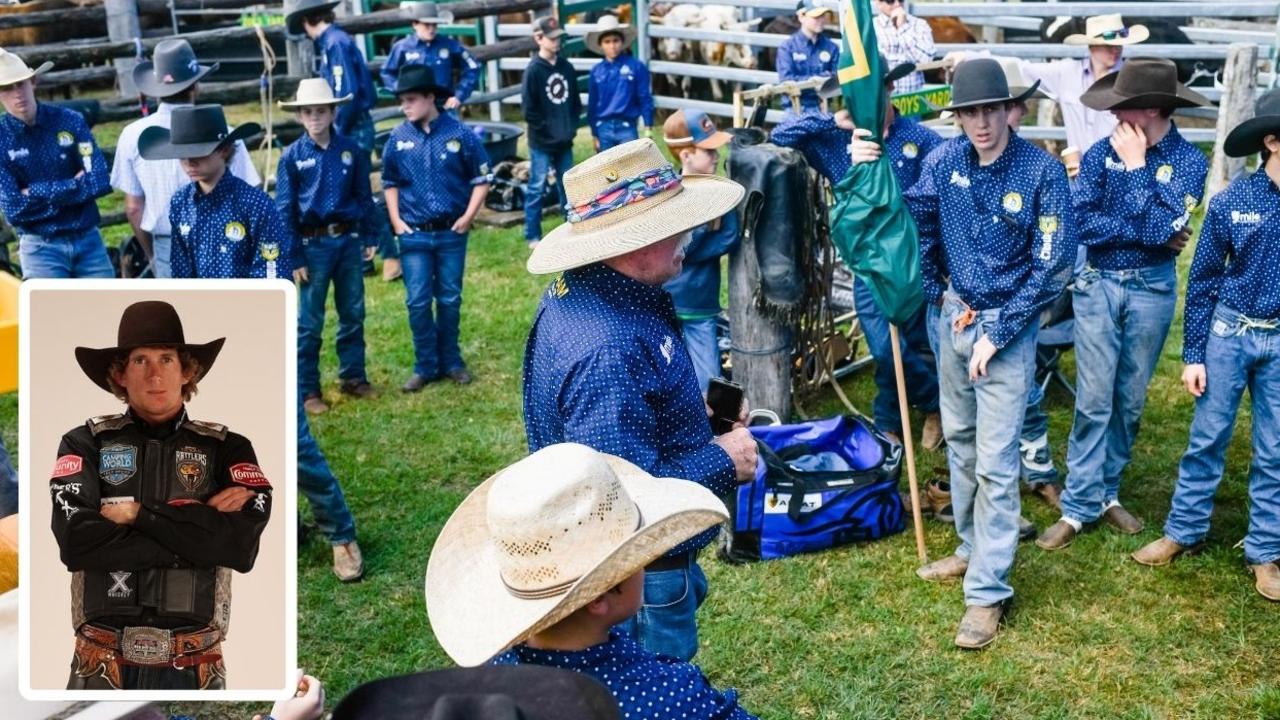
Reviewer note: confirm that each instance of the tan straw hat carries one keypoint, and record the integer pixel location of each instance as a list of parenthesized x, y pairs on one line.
[(14, 70), (626, 198), (609, 25), (315, 91), (547, 535), (1108, 30)]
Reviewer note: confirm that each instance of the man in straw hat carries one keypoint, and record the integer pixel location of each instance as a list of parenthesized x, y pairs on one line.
[(997, 235), (173, 76), (454, 70), (618, 92), (808, 53), (436, 176), (605, 364), (1232, 327), (152, 510), (1133, 200), (51, 173), (552, 108), (226, 228), (548, 556)]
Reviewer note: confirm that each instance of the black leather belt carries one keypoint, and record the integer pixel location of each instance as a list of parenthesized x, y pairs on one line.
[(432, 226), (683, 561), (332, 229)]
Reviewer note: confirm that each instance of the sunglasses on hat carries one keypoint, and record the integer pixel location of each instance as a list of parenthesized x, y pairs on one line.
[(1114, 34)]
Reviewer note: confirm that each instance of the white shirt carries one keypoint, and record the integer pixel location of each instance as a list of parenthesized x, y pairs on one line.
[(1066, 80), (158, 180)]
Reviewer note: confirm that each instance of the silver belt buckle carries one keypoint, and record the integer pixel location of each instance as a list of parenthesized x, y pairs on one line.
[(146, 645), (332, 229)]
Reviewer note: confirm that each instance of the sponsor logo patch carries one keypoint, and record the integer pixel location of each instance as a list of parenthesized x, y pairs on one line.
[(234, 231), (559, 287), (120, 584), (260, 502), (18, 153), (58, 488), (185, 229), (824, 56), (191, 464), (910, 150), (66, 139), (86, 149), (347, 157), (1012, 202), (304, 164), (412, 55), (249, 475), (1048, 226), (179, 502), (443, 54), (269, 251), (404, 145), (1164, 173), (958, 179), (1248, 217), (453, 146), (667, 348), (1115, 165), (117, 463), (67, 465)]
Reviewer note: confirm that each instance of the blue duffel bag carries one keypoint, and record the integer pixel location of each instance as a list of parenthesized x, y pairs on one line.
[(819, 484)]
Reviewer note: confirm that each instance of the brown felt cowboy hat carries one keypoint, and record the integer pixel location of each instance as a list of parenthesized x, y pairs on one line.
[(1142, 83), (150, 323)]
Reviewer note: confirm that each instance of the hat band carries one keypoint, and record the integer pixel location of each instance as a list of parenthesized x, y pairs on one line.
[(626, 192), (561, 587)]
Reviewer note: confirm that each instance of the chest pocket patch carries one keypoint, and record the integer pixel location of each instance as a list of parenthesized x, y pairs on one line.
[(117, 463), (192, 466)]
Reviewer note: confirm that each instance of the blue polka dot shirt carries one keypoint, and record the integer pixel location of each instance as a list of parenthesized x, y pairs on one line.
[(434, 172), (318, 186), (443, 56), (343, 67), (1004, 233), (232, 232), (1125, 218), (605, 366), (44, 159), (825, 145), (649, 686), (1237, 260), (800, 59)]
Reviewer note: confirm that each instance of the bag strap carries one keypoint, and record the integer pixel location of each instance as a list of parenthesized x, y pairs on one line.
[(803, 481)]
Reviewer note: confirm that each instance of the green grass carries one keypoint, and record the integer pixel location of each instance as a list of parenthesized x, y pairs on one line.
[(845, 634)]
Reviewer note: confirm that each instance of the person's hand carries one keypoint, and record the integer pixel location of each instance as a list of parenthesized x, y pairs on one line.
[(26, 191), (120, 513), (230, 499), (463, 224), (400, 227), (898, 16), (861, 150), (78, 175), (301, 276), (1195, 378), (452, 103), (1130, 143), (744, 412), (1178, 241), (953, 58), (369, 252), (983, 351), (741, 448), (843, 120), (306, 703)]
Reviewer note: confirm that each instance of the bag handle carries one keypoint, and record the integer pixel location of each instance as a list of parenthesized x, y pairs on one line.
[(803, 481)]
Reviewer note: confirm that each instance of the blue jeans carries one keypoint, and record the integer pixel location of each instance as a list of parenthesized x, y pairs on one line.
[(433, 264), (8, 484), (982, 421), (614, 132), (317, 483), (700, 339), (161, 252), (65, 256), (1122, 319), (921, 377), (1237, 357), (335, 260), (667, 623), (542, 161), (365, 135)]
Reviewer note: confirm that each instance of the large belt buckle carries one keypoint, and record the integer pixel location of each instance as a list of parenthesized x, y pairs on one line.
[(332, 229), (146, 645)]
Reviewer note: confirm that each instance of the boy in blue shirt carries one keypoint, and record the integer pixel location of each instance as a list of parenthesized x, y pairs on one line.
[(342, 66), (441, 54), (808, 53), (618, 92)]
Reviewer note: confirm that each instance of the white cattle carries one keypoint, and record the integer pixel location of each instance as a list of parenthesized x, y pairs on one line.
[(739, 55)]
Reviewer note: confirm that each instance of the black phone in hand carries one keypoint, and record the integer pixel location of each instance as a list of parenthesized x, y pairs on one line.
[(725, 400)]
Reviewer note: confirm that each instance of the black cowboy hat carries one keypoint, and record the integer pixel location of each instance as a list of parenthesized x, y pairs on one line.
[(295, 11), (831, 88), (499, 692), (197, 131), (981, 81), (1246, 138), (419, 78), (173, 67), (1141, 83), (150, 323)]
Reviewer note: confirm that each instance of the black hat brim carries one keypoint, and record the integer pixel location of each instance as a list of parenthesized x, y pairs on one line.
[(426, 88), (95, 362), (1246, 139), (156, 143), (1021, 97), (899, 71), (1102, 96), (293, 21), (144, 78)]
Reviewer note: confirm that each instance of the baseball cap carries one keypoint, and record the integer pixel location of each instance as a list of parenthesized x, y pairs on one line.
[(685, 128), (548, 26), (812, 9)]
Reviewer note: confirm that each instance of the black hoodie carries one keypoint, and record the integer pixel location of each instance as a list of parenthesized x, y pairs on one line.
[(552, 106)]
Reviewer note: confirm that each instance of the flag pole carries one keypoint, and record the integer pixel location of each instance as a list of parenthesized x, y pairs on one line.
[(908, 444)]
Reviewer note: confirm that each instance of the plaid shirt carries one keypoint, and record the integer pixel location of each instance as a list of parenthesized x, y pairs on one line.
[(913, 43)]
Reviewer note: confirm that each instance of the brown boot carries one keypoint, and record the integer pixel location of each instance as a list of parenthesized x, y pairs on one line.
[(391, 270), (1160, 552), (948, 568), (1050, 493), (314, 405), (979, 625), (1026, 529), (931, 435), (1268, 580), (1122, 520), (937, 495), (1058, 536), (348, 562)]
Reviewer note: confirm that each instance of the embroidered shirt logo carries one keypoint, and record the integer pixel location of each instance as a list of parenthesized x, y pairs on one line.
[(304, 164), (269, 251), (1048, 226), (234, 231), (86, 149), (260, 502), (443, 54), (910, 150), (120, 584), (412, 55), (1189, 202), (191, 464), (18, 153), (1247, 217), (66, 139), (1115, 165), (1164, 173), (453, 146), (117, 463), (347, 157), (667, 348), (824, 56), (404, 145), (1012, 202), (958, 179), (185, 229)]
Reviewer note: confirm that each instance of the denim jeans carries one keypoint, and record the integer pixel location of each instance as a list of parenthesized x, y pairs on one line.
[(433, 264), (336, 261), (364, 134), (317, 483), (1238, 356), (615, 132), (667, 623), (700, 339), (66, 256), (982, 421), (8, 484), (161, 252), (541, 162), (1122, 319), (921, 376)]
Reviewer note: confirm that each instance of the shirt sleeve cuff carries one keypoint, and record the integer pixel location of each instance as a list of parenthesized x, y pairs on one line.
[(723, 478)]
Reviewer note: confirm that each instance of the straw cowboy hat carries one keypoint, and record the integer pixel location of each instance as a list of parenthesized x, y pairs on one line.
[(294, 12), (981, 81), (314, 91), (197, 132), (1142, 83), (609, 25), (173, 67), (14, 70), (626, 198), (501, 692), (427, 13), (150, 323), (547, 535), (1108, 30), (1246, 138)]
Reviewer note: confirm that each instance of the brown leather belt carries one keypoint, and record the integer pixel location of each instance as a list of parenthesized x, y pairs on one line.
[(672, 562), (332, 229), (148, 646)]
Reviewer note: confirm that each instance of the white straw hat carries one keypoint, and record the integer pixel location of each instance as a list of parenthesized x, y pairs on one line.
[(315, 91), (626, 198), (14, 70), (547, 535), (605, 25), (1108, 30)]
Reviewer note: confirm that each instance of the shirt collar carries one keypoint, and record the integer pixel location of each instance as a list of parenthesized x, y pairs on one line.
[(160, 430), (1002, 162), (222, 189), (599, 275), (1171, 138)]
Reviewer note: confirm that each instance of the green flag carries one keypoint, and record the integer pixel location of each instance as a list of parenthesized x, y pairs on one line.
[(870, 225)]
